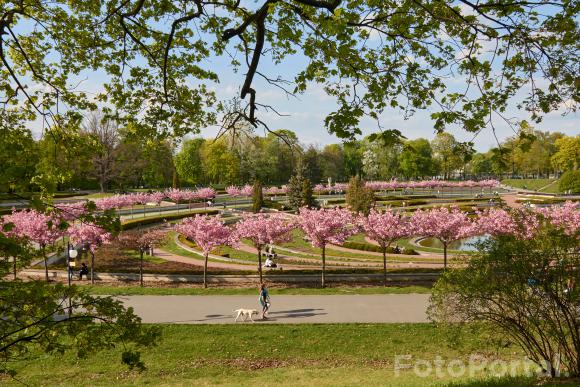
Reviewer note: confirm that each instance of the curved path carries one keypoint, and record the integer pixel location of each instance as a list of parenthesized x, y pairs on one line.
[(377, 308), (313, 263)]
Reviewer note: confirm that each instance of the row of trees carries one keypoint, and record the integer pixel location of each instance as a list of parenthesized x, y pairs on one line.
[(93, 153), (325, 226), (271, 159), (98, 153)]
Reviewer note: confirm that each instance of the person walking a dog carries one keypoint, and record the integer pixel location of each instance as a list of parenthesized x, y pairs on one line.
[(264, 300)]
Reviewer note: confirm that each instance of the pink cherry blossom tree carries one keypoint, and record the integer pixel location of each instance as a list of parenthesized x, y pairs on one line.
[(142, 242), (443, 224), (565, 216), (324, 226), (521, 223), (261, 230), (37, 227), (246, 190), (385, 228), (496, 221), (92, 236), (176, 196), (234, 192), (208, 233)]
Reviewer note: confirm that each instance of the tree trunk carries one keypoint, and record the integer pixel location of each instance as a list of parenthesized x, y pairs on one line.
[(14, 266), (45, 263), (323, 282), (444, 255), (260, 263), (92, 268), (141, 267), (205, 272), (385, 266)]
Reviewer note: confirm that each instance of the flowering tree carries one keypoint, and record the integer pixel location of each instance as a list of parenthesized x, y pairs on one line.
[(176, 196), (443, 224), (91, 235), (522, 223), (142, 242), (208, 233), (71, 211), (261, 230), (566, 217), (39, 228), (385, 228), (206, 193), (233, 191), (247, 190), (496, 221), (324, 226)]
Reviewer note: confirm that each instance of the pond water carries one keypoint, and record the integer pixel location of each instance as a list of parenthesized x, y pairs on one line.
[(467, 244)]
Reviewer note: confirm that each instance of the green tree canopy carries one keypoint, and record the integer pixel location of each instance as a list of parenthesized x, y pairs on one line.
[(369, 55)]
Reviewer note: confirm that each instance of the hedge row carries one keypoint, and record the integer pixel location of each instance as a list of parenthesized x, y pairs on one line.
[(404, 197), (376, 249), (162, 218)]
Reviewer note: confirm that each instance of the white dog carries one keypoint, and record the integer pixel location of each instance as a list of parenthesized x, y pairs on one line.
[(245, 313)]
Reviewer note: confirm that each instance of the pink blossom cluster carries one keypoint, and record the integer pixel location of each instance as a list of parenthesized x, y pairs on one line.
[(444, 224), (246, 190), (430, 184), (262, 229), (207, 232), (91, 234), (276, 190), (121, 201), (176, 195), (327, 225), (521, 223), (35, 226), (566, 216), (71, 211), (233, 191), (386, 227)]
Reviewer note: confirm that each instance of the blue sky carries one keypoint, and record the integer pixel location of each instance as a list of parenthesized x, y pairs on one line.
[(307, 111)]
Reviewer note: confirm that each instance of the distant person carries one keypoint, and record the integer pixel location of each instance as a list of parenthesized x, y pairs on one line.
[(83, 271), (397, 249), (270, 263), (264, 300)]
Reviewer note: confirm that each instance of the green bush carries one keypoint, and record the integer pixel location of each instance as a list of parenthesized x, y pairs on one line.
[(404, 197), (408, 251), (335, 201), (361, 246), (570, 181), (158, 219), (359, 197)]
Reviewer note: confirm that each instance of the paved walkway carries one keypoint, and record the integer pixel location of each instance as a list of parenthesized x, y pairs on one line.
[(380, 308)]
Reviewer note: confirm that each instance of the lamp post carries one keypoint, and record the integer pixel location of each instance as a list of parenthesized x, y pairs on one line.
[(72, 254)]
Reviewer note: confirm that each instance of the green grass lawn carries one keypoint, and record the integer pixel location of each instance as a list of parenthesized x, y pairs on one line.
[(285, 355), (553, 187), (198, 291), (532, 184)]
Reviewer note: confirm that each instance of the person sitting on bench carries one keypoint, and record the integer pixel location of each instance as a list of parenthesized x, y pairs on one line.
[(84, 270)]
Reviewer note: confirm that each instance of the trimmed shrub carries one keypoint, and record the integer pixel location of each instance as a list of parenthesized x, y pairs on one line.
[(362, 246)]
